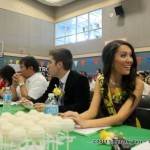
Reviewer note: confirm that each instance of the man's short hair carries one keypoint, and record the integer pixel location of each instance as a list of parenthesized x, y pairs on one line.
[(63, 55), (142, 74), (30, 61), (6, 72)]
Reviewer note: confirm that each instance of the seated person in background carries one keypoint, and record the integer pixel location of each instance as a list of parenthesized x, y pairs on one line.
[(117, 92), (97, 73), (2, 84), (6, 73), (75, 86), (141, 75), (2, 87), (146, 72), (91, 83), (146, 90), (28, 83), (147, 80), (83, 73)]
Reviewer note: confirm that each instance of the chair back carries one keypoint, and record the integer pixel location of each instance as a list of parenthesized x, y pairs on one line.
[(143, 112)]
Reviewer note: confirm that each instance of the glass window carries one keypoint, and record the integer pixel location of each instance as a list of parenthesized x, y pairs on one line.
[(70, 39), (94, 34), (84, 27), (82, 36), (82, 23), (60, 29), (60, 41), (95, 19), (70, 26)]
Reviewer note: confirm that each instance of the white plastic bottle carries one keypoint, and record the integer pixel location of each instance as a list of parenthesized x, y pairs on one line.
[(7, 98), (51, 105)]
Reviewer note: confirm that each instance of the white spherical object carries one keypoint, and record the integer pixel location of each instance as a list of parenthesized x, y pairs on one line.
[(20, 114), (12, 118), (48, 117), (1, 140), (68, 125), (54, 128), (17, 135), (3, 121), (36, 133), (1, 137), (6, 115), (34, 118), (57, 118), (27, 124), (6, 128), (33, 112), (45, 124), (18, 121), (41, 114)]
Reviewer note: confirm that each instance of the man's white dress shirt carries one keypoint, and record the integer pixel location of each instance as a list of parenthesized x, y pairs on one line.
[(36, 86)]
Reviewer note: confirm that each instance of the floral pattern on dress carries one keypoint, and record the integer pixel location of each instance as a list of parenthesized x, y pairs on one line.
[(117, 98)]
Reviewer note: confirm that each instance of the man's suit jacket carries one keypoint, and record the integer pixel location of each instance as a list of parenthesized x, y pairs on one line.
[(77, 93)]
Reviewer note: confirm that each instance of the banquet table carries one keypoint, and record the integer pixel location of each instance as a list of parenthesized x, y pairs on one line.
[(91, 142)]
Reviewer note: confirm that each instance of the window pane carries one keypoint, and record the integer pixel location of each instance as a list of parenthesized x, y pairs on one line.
[(60, 41), (95, 21), (95, 34), (82, 36), (60, 29), (82, 23), (71, 26), (70, 39), (80, 28)]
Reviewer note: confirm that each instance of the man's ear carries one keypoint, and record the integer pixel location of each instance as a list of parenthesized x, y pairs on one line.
[(30, 68), (60, 64)]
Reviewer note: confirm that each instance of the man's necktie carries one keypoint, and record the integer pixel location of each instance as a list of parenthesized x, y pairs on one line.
[(60, 85)]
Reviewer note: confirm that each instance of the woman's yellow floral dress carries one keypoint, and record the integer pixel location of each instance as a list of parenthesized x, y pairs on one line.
[(111, 104)]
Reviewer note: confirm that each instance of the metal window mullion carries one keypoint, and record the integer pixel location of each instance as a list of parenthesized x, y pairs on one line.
[(88, 24)]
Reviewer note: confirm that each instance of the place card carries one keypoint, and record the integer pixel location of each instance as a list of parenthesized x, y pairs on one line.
[(88, 131)]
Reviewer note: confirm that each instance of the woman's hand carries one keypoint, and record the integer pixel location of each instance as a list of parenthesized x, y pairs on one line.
[(39, 107), (76, 117), (82, 123), (69, 114)]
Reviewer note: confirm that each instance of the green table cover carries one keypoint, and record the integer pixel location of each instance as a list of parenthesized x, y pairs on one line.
[(90, 142)]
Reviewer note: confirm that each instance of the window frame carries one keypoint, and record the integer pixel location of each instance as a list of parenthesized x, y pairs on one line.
[(75, 34)]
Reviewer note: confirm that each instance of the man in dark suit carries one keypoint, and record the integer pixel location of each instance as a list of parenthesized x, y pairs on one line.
[(76, 87)]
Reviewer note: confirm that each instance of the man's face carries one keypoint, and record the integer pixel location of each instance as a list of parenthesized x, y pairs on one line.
[(25, 72), (53, 67)]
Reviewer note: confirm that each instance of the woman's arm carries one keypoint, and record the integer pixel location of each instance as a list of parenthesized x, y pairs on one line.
[(125, 111)]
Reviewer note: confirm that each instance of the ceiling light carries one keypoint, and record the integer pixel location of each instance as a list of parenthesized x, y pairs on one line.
[(55, 2)]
